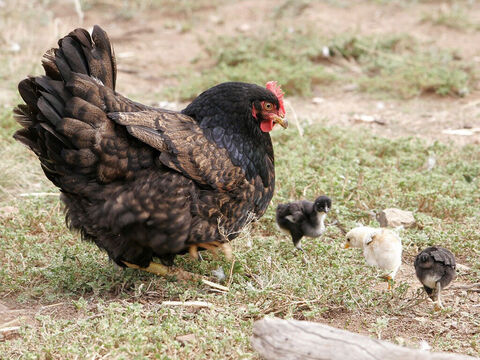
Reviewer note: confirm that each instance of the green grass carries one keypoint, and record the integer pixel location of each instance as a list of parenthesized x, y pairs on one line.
[(402, 67), (454, 16), (396, 65), (107, 311), (284, 56)]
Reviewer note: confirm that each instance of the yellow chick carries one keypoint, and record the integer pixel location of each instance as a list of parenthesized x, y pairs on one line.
[(381, 248), (354, 237)]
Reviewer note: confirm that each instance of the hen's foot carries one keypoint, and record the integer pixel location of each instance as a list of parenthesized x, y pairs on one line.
[(180, 274), (214, 247)]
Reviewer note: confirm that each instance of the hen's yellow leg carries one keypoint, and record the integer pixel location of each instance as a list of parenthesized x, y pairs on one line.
[(180, 274)]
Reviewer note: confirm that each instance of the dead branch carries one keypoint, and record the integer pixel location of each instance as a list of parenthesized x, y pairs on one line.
[(281, 339)]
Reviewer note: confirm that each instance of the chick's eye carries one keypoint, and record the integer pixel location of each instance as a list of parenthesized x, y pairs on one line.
[(268, 106)]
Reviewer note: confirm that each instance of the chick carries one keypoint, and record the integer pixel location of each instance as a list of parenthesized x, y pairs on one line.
[(381, 248), (354, 238), (303, 218), (435, 268)]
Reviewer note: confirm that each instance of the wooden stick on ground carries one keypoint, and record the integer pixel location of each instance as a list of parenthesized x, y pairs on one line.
[(281, 339)]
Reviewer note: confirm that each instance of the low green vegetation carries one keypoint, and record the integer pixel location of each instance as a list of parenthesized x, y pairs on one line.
[(396, 65), (454, 16), (99, 310), (400, 66), (258, 60)]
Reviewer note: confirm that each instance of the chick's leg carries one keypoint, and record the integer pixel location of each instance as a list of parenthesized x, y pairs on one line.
[(298, 246), (438, 303), (389, 280), (297, 240)]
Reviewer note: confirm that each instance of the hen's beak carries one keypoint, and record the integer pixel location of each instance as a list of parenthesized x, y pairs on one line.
[(280, 120), (346, 246)]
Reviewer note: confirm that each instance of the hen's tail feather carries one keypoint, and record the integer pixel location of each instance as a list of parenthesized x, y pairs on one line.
[(80, 53), (64, 117), (63, 107)]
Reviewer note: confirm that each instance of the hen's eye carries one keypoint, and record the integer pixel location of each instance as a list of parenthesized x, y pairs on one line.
[(268, 106)]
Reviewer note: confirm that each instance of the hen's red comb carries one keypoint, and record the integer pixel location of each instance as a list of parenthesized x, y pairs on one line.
[(277, 90)]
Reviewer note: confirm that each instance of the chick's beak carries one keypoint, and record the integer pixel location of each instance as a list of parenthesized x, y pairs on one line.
[(346, 246), (280, 120)]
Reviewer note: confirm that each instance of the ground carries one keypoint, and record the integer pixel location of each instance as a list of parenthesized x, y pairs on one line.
[(61, 291)]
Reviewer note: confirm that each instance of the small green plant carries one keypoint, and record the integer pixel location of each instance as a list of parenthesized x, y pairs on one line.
[(454, 16), (400, 66), (380, 324)]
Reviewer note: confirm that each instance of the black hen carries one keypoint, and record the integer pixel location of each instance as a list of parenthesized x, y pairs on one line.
[(303, 218), (143, 182), (435, 268)]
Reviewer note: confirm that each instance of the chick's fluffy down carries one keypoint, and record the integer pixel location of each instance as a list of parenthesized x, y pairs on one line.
[(383, 249)]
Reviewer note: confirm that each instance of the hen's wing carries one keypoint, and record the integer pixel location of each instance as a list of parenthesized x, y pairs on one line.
[(183, 147)]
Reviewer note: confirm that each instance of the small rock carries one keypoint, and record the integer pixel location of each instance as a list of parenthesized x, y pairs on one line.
[(318, 100), (244, 28), (326, 51), (395, 217), (461, 132), (14, 47), (168, 105), (363, 118), (188, 338), (217, 20), (350, 87)]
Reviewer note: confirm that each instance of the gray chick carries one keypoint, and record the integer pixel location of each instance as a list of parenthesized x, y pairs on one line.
[(435, 268), (303, 218)]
